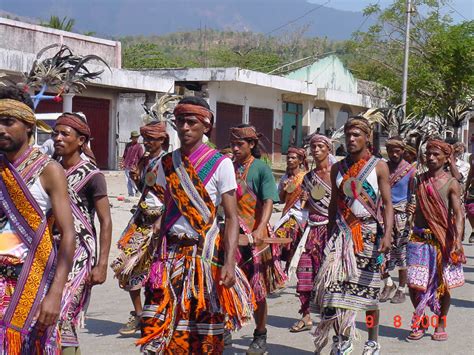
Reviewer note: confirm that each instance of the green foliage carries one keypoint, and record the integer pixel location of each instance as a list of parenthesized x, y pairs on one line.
[(441, 62), (64, 24), (212, 48)]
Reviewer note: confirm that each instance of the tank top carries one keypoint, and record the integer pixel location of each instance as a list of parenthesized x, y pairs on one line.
[(10, 242)]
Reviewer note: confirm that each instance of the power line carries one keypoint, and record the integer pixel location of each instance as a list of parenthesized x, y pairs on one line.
[(298, 18), (365, 20), (456, 11)]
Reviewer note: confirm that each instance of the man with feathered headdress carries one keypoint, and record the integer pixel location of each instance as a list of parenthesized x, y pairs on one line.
[(33, 271), (137, 242)]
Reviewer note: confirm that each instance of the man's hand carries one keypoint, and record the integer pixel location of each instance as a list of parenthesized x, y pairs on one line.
[(258, 236), (49, 311), (304, 195), (386, 244), (228, 274), (98, 275), (410, 208), (457, 247)]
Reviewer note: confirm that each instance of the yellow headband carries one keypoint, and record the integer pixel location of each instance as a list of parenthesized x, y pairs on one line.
[(22, 112)]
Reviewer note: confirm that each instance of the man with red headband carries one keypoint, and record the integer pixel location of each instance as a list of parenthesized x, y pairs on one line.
[(88, 194), (358, 236), (293, 220), (33, 194), (138, 241), (256, 193), (401, 177), (308, 255), (193, 283), (434, 252)]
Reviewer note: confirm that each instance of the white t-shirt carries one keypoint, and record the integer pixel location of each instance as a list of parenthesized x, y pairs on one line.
[(222, 181)]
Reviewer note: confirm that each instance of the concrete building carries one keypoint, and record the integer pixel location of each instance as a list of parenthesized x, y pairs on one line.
[(243, 96), (112, 104), (284, 109)]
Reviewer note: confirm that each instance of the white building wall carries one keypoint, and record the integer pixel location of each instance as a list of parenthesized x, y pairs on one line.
[(248, 96)]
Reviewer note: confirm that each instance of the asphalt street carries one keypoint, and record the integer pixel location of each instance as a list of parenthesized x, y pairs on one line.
[(110, 306)]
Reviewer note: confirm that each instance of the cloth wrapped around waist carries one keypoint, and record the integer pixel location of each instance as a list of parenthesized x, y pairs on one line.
[(181, 239)]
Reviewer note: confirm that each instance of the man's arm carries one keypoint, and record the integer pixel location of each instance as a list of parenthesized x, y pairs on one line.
[(332, 210), (386, 194), (54, 182), (231, 237), (259, 232), (99, 272), (455, 202)]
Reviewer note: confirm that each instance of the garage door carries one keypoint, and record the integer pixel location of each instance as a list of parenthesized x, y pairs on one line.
[(97, 113), (262, 119), (227, 116)]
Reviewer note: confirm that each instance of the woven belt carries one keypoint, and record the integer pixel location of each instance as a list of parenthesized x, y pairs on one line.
[(181, 239)]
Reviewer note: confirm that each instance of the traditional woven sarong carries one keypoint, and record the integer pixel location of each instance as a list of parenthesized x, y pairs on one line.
[(400, 185), (293, 220), (260, 264), (26, 288), (349, 279), (185, 304), (432, 268), (309, 252), (77, 290), (137, 243)]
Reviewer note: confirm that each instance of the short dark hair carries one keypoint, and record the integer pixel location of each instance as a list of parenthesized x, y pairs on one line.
[(15, 93), (256, 153), (198, 101)]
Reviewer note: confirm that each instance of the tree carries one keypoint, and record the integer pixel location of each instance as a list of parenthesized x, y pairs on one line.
[(441, 66), (55, 22)]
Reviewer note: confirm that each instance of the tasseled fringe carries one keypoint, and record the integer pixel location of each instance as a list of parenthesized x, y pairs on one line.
[(237, 302), (357, 239), (167, 305), (13, 343), (343, 320), (125, 238)]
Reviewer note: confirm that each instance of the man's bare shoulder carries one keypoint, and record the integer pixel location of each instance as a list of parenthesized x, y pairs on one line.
[(52, 174)]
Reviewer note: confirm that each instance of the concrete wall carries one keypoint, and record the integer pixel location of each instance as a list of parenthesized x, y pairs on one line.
[(328, 73), (29, 38)]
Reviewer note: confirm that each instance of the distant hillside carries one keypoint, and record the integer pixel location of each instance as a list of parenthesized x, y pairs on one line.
[(224, 49), (158, 17)]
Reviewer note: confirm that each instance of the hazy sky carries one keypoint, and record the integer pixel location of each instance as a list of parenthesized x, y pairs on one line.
[(465, 7)]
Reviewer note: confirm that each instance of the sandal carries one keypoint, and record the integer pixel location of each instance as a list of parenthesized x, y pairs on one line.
[(439, 336), (301, 326), (416, 334), (418, 331)]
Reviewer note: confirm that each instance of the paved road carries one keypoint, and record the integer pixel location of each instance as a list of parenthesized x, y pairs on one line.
[(110, 306)]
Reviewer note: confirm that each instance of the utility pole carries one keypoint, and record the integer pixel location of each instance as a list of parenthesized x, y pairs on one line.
[(405, 62)]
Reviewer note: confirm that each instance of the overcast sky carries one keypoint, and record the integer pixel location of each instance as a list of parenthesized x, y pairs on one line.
[(465, 7)]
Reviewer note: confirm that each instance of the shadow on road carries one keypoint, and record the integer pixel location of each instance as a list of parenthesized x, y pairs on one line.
[(386, 331), (272, 348), (282, 322), (462, 303), (102, 327)]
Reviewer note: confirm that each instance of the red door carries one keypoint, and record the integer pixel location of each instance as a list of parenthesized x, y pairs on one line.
[(227, 116), (97, 113), (262, 119)]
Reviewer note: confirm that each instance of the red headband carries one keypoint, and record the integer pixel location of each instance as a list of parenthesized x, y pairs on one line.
[(201, 113), (323, 139), (154, 130), (75, 122), (237, 133), (439, 144)]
